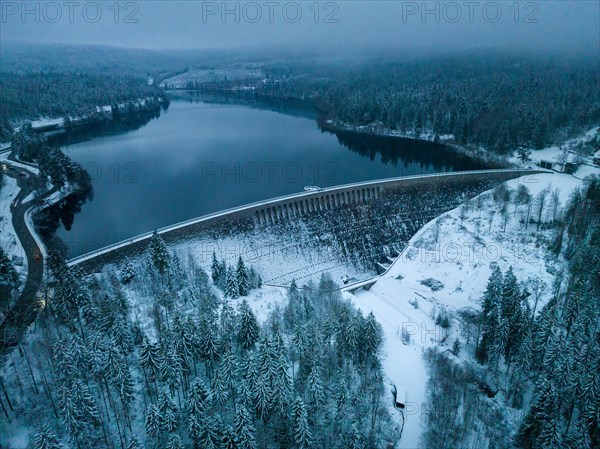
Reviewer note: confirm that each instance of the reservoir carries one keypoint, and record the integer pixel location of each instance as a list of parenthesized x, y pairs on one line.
[(197, 158)]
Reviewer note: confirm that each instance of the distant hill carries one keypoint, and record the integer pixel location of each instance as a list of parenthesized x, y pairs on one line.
[(93, 59)]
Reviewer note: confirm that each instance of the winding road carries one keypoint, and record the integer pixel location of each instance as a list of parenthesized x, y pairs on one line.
[(24, 310)]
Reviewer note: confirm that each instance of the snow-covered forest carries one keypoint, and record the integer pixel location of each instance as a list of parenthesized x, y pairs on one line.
[(537, 360), (154, 355), (496, 100), (300, 225)]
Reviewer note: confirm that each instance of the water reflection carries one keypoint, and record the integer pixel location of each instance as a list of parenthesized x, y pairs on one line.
[(203, 157)]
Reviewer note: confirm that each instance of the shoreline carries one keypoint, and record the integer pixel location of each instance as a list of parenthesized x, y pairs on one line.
[(374, 130)]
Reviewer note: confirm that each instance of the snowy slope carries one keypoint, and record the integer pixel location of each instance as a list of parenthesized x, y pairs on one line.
[(8, 238), (461, 262)]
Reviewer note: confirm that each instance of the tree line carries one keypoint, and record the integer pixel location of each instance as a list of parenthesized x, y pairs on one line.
[(149, 354), (496, 100)]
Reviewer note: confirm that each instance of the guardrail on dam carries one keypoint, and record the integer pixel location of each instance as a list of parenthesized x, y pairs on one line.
[(263, 214)]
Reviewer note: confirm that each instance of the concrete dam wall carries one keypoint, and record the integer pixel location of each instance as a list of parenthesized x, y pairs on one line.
[(359, 225)]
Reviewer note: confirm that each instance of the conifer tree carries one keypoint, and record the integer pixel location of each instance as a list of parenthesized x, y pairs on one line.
[(127, 272), (315, 388), (249, 329), (232, 289), (243, 428), (168, 413), (242, 278), (46, 439), (159, 254), (8, 275), (174, 442), (371, 338), (301, 430), (216, 269), (210, 433), (152, 422), (229, 440), (209, 346), (491, 310)]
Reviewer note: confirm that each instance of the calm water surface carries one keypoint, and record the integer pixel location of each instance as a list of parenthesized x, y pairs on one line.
[(198, 158)]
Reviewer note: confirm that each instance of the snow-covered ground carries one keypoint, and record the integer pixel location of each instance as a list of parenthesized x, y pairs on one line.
[(4, 160), (567, 152), (8, 238), (377, 128), (448, 252), (276, 260)]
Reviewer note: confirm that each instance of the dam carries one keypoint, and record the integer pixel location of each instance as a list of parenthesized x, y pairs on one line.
[(361, 225)]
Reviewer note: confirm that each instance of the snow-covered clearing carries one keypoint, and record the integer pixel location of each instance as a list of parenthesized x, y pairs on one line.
[(8, 238), (277, 261), (450, 253), (570, 151)]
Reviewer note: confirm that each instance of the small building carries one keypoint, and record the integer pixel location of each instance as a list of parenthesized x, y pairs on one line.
[(570, 168), (597, 157), (399, 397), (546, 164)]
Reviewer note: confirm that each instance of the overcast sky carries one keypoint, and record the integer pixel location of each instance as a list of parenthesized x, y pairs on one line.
[(564, 24)]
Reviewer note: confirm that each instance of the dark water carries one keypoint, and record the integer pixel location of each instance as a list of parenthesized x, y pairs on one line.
[(199, 158)]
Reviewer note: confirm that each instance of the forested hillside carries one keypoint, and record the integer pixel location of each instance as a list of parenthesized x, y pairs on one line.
[(55, 81), (151, 355), (536, 384), (492, 99), (53, 94)]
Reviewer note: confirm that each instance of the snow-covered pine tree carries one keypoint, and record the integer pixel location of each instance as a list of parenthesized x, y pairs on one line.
[(127, 272), (174, 442), (151, 357), (316, 392), (210, 433), (301, 430), (69, 411), (512, 313), (198, 398), (229, 440), (243, 428), (8, 275), (371, 338), (215, 269), (491, 315), (232, 289), (228, 323), (183, 343), (282, 384), (209, 346), (249, 329), (45, 438), (152, 423), (293, 309), (158, 253), (176, 273), (218, 390), (168, 413), (171, 369), (229, 370), (262, 396), (242, 278)]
